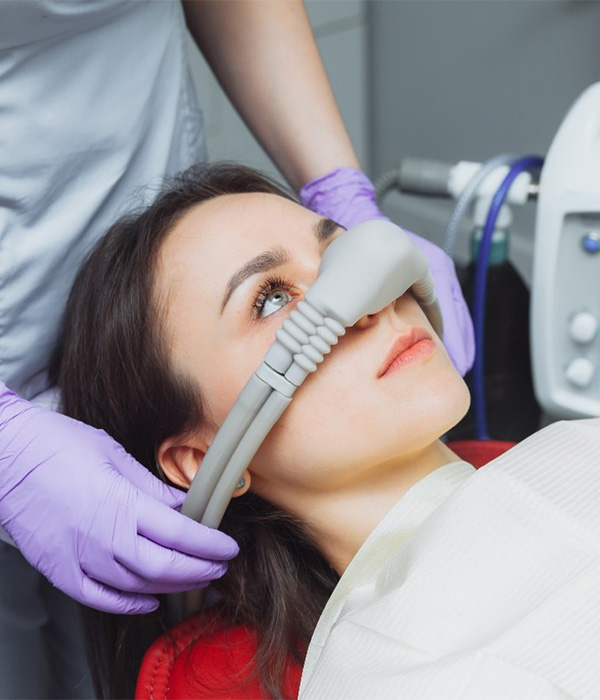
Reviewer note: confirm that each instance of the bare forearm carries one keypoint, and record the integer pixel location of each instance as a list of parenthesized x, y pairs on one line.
[(265, 57)]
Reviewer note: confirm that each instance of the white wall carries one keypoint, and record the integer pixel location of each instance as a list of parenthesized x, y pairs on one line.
[(340, 30)]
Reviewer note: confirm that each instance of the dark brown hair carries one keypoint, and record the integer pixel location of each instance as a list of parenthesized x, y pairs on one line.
[(114, 373)]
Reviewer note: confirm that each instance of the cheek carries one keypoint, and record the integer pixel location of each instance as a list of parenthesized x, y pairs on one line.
[(228, 370), (220, 391), (338, 424), (322, 433), (308, 437)]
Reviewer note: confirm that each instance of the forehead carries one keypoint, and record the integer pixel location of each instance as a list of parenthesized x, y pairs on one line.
[(212, 239), (232, 226)]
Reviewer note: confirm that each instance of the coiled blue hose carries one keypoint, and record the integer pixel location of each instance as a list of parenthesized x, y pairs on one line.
[(480, 288)]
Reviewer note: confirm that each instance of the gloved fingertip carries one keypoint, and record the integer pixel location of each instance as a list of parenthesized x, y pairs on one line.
[(221, 571), (230, 548), (151, 607), (141, 606)]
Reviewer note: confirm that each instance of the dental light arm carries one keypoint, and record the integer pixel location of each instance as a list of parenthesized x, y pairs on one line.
[(361, 272)]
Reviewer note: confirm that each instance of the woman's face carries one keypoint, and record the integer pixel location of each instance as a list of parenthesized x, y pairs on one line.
[(230, 272)]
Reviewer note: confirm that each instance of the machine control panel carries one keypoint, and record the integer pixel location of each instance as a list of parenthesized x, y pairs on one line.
[(570, 312), (565, 299)]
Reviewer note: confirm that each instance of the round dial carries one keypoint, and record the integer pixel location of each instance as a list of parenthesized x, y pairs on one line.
[(580, 372), (583, 327)]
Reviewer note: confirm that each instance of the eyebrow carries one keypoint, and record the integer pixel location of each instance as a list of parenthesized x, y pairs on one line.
[(270, 259), (324, 229)]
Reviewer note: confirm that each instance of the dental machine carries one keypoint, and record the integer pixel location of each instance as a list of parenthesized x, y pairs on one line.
[(565, 285), (362, 271), (566, 275)]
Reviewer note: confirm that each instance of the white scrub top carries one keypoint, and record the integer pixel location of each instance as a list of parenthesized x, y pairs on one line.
[(475, 585), (96, 101)]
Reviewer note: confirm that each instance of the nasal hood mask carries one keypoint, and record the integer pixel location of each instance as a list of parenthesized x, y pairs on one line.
[(361, 272)]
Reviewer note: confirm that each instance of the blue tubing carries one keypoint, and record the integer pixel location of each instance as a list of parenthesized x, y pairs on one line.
[(480, 287)]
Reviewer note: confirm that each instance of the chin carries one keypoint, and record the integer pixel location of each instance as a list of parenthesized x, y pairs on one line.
[(450, 405), (460, 404)]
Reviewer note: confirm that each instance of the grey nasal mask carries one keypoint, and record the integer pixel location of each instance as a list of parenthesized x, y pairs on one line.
[(361, 272)]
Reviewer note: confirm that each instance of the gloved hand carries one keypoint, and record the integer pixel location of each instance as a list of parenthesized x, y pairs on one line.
[(347, 196), (91, 519)]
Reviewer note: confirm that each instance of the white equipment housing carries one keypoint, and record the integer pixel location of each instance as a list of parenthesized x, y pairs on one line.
[(565, 299)]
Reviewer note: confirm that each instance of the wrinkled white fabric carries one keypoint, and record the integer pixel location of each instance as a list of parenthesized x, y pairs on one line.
[(476, 585), (96, 102)]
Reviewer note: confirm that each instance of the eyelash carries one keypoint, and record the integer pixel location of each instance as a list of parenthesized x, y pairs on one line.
[(269, 286)]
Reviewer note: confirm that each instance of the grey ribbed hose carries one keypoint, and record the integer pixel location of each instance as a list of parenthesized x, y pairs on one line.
[(386, 181), (466, 197)]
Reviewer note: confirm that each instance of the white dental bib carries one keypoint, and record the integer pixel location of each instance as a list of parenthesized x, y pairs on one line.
[(476, 584)]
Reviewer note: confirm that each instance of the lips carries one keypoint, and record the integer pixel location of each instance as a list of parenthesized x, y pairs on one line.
[(402, 344)]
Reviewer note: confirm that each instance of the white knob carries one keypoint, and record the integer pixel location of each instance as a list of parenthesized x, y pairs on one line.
[(583, 327), (580, 372)]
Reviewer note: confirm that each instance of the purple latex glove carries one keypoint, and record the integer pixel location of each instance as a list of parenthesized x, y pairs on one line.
[(347, 196), (91, 519)]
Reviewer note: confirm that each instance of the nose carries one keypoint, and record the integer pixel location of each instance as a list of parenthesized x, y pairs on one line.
[(371, 319)]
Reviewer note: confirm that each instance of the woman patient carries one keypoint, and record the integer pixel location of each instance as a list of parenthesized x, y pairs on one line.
[(167, 320)]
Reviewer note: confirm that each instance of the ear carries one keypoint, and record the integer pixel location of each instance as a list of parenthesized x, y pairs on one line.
[(180, 460), (247, 479)]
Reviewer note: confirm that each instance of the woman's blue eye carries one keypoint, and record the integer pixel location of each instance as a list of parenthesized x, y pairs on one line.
[(274, 301), (274, 294)]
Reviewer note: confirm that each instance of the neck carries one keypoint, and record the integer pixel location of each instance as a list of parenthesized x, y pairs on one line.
[(342, 521)]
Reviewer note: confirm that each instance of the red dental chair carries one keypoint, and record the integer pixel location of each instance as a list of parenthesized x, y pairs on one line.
[(181, 666)]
